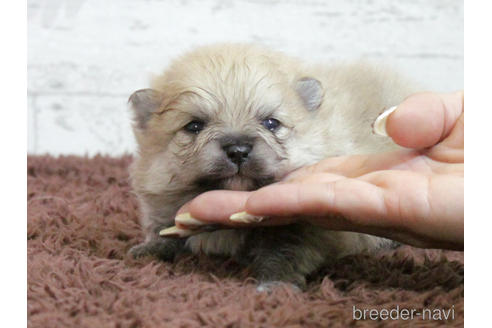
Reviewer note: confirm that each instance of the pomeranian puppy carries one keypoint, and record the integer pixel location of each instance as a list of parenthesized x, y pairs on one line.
[(239, 117)]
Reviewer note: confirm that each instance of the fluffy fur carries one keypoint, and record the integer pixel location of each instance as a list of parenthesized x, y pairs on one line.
[(232, 89)]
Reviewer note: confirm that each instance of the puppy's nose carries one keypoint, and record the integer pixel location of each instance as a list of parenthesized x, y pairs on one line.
[(238, 153)]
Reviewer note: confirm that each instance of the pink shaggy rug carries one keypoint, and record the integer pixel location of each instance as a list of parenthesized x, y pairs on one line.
[(83, 217)]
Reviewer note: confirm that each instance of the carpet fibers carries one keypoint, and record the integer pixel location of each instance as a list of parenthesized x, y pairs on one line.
[(83, 217)]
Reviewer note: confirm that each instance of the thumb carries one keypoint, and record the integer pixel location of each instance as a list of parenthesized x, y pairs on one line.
[(422, 120)]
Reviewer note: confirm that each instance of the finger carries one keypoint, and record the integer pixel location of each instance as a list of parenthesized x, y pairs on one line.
[(184, 209), (206, 212), (313, 177), (216, 208), (451, 149), (359, 202), (357, 165), (213, 207), (341, 165), (424, 119)]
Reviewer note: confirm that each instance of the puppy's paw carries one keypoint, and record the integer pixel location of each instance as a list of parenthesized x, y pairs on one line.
[(164, 249), (139, 250), (272, 280), (269, 286)]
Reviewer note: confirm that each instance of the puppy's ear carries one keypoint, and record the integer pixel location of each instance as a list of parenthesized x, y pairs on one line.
[(144, 102), (311, 92)]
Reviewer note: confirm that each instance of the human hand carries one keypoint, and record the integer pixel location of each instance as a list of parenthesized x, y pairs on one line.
[(411, 195)]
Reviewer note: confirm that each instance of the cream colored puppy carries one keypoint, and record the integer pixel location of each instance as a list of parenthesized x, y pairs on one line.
[(239, 117)]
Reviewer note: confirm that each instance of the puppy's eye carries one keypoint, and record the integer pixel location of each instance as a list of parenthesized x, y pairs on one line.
[(271, 124), (194, 126)]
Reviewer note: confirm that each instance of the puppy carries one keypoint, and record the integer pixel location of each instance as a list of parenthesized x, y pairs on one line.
[(239, 117)]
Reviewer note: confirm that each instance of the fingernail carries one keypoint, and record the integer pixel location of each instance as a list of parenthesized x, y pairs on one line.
[(379, 125), (244, 217), (177, 232), (187, 220)]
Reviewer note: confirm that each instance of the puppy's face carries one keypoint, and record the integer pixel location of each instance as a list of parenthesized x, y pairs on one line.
[(216, 122)]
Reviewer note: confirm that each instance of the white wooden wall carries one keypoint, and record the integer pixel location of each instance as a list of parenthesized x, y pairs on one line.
[(85, 57)]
